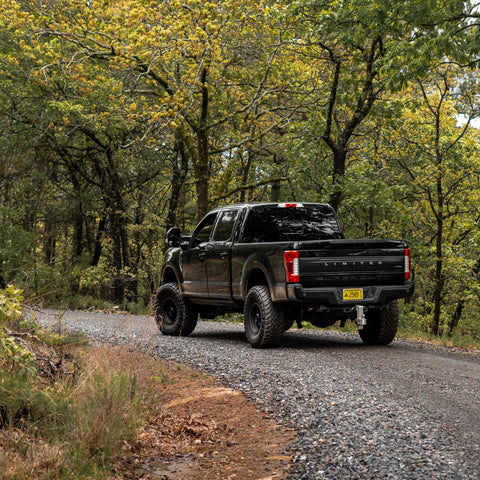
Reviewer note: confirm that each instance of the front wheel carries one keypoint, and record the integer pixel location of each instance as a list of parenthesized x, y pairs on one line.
[(174, 314), (264, 321), (381, 326)]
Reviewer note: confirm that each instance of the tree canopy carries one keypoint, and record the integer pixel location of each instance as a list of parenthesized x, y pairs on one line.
[(121, 119)]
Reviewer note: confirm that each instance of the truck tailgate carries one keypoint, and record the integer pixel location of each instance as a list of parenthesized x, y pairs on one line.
[(351, 263)]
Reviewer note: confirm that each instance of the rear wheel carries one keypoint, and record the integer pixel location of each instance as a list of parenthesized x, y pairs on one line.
[(174, 314), (264, 321), (381, 326)]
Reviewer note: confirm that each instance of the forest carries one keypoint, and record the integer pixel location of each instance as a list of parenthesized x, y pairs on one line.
[(120, 119)]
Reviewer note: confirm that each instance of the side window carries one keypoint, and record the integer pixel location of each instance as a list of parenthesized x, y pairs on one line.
[(257, 228), (203, 231), (224, 230)]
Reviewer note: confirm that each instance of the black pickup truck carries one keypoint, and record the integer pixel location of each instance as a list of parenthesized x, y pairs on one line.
[(281, 263)]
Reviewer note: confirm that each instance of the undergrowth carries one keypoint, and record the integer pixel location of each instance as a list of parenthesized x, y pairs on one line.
[(67, 411), (94, 304)]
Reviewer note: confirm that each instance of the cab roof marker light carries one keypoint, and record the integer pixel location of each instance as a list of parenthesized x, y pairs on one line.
[(290, 205)]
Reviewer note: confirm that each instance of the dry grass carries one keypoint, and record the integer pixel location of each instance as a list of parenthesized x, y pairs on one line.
[(124, 415), (181, 425), (76, 426)]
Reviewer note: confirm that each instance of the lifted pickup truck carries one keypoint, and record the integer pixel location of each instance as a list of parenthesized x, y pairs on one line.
[(281, 263)]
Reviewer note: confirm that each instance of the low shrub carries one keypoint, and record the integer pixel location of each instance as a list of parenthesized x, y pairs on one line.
[(64, 414)]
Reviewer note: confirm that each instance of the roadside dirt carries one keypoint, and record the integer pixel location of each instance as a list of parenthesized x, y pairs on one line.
[(204, 431), (411, 409)]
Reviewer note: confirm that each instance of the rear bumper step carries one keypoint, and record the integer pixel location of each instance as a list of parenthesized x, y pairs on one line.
[(333, 296)]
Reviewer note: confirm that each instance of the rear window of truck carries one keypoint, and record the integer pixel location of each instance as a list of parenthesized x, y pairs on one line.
[(272, 223)]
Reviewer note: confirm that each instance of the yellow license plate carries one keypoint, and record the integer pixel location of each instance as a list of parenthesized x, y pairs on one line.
[(353, 293)]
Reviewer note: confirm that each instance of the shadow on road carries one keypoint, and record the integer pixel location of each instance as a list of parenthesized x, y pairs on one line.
[(293, 339)]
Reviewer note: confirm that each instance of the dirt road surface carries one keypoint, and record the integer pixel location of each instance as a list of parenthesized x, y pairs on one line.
[(405, 411)]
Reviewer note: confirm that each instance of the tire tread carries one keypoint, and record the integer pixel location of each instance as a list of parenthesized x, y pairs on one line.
[(187, 316), (272, 318), (381, 326)]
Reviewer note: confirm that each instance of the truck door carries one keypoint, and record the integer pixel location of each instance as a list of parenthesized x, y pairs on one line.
[(193, 259), (218, 256)]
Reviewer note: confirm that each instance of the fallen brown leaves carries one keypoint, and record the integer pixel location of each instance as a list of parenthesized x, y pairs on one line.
[(206, 431)]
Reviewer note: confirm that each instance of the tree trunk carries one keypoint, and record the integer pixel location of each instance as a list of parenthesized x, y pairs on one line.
[(452, 325), (439, 279), (365, 100), (339, 161), (120, 254), (179, 174), (369, 224), (77, 246), (78, 234), (245, 172), (455, 319), (203, 164), (97, 251), (275, 191), (438, 288), (276, 184), (50, 242), (201, 185)]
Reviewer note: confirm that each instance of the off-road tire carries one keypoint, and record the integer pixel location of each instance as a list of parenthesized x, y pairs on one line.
[(264, 321), (174, 315), (381, 326)]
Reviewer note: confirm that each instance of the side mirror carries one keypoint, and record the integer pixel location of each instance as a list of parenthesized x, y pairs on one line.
[(173, 237)]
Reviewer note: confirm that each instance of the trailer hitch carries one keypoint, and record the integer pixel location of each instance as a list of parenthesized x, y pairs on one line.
[(360, 320)]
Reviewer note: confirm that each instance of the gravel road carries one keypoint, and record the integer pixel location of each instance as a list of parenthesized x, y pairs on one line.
[(406, 411)]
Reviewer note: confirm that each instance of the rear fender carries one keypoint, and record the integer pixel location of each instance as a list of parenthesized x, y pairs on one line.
[(257, 271)]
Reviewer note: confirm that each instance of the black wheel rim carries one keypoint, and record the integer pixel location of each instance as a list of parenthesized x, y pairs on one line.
[(255, 319), (169, 311)]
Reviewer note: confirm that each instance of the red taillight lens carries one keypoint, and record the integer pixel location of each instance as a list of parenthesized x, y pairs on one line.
[(292, 266), (408, 264)]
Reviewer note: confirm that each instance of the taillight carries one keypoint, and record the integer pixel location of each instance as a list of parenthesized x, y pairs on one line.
[(408, 264), (292, 266)]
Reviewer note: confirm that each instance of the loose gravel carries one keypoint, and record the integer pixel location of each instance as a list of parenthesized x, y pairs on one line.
[(406, 411)]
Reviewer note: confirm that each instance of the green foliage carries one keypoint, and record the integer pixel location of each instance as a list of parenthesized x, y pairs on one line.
[(10, 305), (119, 121), (23, 402), (71, 422), (15, 357), (15, 247)]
